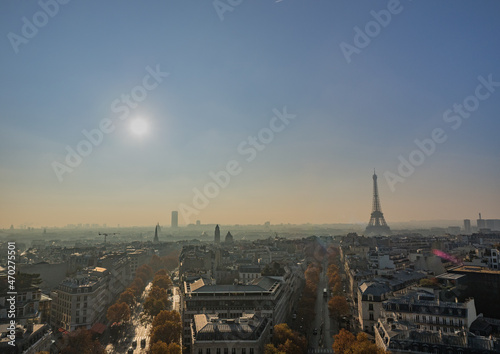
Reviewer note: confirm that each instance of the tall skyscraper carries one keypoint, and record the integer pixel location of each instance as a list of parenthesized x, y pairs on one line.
[(175, 219), (377, 224), (467, 228), (217, 235)]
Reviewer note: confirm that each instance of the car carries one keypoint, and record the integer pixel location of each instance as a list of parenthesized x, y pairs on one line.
[(143, 343), (315, 331)]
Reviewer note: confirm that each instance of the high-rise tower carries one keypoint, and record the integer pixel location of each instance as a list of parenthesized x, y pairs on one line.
[(175, 219), (217, 234), (377, 224)]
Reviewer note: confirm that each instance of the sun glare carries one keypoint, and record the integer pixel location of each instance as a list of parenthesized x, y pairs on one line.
[(139, 126)]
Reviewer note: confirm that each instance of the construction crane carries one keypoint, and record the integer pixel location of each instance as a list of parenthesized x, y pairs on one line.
[(106, 235)]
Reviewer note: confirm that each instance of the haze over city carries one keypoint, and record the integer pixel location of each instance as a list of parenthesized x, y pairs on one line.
[(287, 98)]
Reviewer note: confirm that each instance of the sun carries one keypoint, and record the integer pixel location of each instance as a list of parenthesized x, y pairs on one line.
[(139, 126)]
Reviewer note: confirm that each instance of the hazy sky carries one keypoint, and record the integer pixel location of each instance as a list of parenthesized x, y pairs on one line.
[(360, 98)]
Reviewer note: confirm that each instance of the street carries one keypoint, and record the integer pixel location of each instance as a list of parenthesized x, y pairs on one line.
[(135, 331), (325, 326)]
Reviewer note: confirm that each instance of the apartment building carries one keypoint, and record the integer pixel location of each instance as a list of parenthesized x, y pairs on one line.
[(247, 334), (81, 301)]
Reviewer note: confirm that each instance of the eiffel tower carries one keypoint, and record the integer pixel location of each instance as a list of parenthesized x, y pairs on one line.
[(377, 225)]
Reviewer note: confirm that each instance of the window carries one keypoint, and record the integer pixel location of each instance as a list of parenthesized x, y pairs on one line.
[(371, 316), (200, 351), (370, 307), (233, 351), (218, 350), (226, 351), (208, 351), (244, 351), (251, 351)]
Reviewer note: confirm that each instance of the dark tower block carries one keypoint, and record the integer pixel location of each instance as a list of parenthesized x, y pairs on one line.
[(217, 235), (377, 225), (155, 240)]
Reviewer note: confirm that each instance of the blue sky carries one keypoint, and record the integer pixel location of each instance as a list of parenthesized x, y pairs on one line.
[(225, 79)]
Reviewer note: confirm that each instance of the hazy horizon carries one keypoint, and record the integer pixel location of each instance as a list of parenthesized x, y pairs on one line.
[(296, 102)]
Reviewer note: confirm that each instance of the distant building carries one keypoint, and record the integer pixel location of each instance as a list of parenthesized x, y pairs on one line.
[(155, 239), (175, 219), (247, 273), (229, 238), (246, 334), (217, 234), (467, 227), (494, 259)]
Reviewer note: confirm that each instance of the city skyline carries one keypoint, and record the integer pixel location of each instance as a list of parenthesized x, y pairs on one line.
[(273, 111)]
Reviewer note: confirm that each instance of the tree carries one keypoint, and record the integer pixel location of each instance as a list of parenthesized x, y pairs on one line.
[(146, 269), (119, 312), (162, 281), (138, 283), (80, 342), (156, 262), (343, 341), (128, 297), (271, 349), (161, 272), (164, 348), (166, 327), (338, 307), (288, 341), (346, 343), (157, 301), (289, 347)]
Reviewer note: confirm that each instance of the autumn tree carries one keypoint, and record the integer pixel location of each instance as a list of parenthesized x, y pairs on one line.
[(164, 348), (80, 342), (338, 307), (156, 301), (127, 297), (162, 281), (156, 262), (161, 272), (119, 312), (166, 327), (288, 341), (343, 341), (271, 349), (346, 343)]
